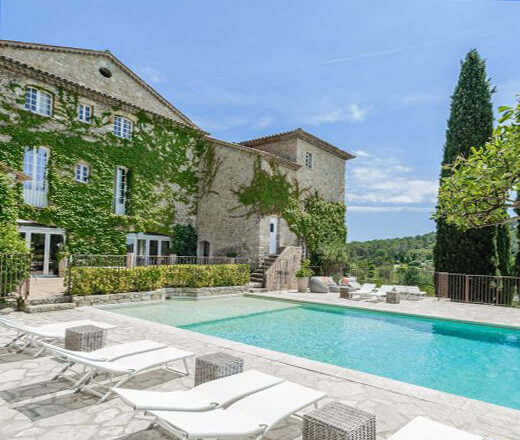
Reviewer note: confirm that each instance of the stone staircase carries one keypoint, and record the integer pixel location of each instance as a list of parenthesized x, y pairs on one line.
[(50, 304), (257, 277)]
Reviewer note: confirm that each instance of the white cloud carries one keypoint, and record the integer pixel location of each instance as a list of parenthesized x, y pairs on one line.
[(151, 74), (362, 153), (264, 122), (374, 209), (387, 181), (350, 113), (233, 122)]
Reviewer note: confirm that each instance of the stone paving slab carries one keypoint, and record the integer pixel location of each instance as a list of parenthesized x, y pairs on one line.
[(394, 404)]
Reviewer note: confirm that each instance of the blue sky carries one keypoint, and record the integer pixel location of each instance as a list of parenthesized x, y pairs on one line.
[(373, 77)]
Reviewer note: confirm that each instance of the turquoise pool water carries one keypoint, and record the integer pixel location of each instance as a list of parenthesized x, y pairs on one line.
[(475, 361)]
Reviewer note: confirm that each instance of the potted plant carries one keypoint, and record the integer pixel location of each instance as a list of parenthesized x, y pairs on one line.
[(302, 276)]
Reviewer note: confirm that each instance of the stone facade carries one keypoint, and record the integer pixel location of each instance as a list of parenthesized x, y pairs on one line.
[(221, 229), (228, 231)]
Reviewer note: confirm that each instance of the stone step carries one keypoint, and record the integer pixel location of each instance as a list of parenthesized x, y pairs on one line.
[(255, 285), (54, 299), (257, 290), (257, 277), (41, 308)]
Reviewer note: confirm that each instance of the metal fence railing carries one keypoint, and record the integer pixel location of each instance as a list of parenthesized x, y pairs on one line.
[(478, 289), (14, 271), (131, 260)]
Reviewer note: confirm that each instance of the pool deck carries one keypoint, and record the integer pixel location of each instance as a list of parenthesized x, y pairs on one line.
[(33, 407)]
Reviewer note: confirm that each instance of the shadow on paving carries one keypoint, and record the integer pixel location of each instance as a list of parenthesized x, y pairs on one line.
[(26, 392), (147, 434), (69, 402), (12, 356)]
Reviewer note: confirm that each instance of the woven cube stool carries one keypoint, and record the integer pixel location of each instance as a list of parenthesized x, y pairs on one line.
[(393, 297), (345, 292), (85, 338), (216, 365), (336, 421)]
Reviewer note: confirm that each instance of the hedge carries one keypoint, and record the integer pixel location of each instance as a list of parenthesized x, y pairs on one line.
[(101, 280)]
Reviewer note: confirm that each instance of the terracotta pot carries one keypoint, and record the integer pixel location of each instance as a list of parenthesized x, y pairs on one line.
[(303, 284)]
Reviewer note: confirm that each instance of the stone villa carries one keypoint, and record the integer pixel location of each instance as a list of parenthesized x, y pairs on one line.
[(102, 82)]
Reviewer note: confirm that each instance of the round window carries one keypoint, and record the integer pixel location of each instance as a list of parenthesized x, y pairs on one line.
[(105, 72)]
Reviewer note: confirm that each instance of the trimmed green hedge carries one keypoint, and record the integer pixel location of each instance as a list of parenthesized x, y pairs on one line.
[(101, 280)]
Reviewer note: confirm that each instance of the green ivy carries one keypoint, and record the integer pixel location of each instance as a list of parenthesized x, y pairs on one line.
[(184, 240), (311, 218), (163, 158)]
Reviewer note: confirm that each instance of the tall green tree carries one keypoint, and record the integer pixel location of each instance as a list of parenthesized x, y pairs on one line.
[(485, 250)]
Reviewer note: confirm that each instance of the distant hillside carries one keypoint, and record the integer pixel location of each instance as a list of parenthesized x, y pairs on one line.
[(418, 249)]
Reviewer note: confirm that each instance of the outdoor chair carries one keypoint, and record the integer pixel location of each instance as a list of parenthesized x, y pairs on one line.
[(254, 415), (426, 429), (204, 397), (107, 354), (33, 336), (125, 367)]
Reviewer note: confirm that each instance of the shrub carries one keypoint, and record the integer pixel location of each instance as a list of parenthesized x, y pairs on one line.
[(101, 280), (305, 271)]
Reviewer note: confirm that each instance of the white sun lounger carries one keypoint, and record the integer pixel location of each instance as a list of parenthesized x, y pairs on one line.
[(422, 428), (125, 367), (110, 353), (253, 415), (207, 396), (28, 335), (365, 291)]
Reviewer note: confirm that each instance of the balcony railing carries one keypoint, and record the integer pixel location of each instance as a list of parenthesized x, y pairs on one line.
[(37, 198)]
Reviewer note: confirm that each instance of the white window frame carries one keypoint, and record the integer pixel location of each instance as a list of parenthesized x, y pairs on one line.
[(309, 160), (120, 190), (82, 113), (123, 127), (82, 172), (35, 103), (35, 165)]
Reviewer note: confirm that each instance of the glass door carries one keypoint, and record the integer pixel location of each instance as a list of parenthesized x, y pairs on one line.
[(38, 254), (54, 247)]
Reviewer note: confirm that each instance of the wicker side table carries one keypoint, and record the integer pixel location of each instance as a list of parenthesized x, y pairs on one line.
[(336, 421), (85, 338), (393, 297), (345, 292), (216, 365)]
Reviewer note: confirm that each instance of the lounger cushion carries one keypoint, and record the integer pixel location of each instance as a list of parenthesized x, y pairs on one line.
[(113, 352), (422, 428), (247, 416), (203, 397)]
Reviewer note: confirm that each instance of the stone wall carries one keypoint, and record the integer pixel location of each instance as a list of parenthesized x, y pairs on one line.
[(155, 295), (327, 175), (281, 274), (227, 230), (84, 70)]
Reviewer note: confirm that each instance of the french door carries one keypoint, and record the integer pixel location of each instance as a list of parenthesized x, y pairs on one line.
[(44, 244)]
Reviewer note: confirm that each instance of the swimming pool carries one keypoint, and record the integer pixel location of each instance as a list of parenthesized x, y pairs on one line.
[(475, 361)]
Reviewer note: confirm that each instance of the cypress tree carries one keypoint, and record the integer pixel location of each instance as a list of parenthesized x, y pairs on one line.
[(483, 251)]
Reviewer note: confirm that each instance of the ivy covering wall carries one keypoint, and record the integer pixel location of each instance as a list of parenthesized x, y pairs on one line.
[(163, 159), (314, 220)]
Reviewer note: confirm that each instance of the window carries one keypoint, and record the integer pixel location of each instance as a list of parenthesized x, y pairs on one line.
[(122, 127), (85, 113), (38, 101), (308, 160), (35, 166), (120, 190), (82, 173)]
